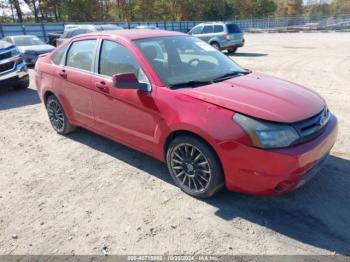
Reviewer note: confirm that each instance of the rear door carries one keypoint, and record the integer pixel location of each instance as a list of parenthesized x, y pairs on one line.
[(75, 78)]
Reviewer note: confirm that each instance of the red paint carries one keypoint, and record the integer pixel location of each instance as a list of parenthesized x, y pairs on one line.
[(144, 120), (259, 96)]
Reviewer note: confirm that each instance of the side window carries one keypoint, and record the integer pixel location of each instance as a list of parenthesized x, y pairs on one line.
[(208, 29), (197, 30), (57, 57), (116, 59), (78, 32), (81, 54), (218, 28)]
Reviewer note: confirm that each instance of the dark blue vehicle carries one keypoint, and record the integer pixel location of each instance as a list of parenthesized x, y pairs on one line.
[(13, 71)]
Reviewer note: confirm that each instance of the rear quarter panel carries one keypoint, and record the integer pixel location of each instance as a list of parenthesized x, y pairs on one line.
[(44, 75)]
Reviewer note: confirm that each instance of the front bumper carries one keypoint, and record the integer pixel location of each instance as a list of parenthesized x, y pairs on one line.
[(15, 76), (272, 172), (234, 43)]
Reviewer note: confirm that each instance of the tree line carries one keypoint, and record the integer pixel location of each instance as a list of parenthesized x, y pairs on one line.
[(164, 10)]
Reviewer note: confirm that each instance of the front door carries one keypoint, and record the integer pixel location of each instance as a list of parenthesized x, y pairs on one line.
[(127, 115)]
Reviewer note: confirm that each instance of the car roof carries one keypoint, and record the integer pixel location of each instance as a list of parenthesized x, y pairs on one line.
[(133, 34), (216, 23), (72, 26)]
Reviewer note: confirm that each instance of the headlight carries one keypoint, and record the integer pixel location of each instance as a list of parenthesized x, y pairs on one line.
[(264, 134), (14, 52)]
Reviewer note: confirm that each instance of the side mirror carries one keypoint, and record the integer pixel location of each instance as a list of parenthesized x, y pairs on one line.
[(128, 81)]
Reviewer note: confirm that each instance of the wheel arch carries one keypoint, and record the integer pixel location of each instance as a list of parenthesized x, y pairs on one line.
[(214, 40), (183, 132), (66, 106), (46, 95)]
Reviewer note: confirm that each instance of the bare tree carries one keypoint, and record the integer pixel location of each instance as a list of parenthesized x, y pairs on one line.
[(17, 6)]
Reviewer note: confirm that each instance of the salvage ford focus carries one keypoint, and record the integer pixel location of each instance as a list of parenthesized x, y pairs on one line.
[(174, 97)]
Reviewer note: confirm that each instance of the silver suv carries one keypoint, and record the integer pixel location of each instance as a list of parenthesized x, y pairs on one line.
[(221, 35)]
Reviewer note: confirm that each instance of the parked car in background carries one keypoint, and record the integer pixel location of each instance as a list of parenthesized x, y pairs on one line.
[(74, 30), (220, 35), (174, 97), (30, 47), (151, 27), (13, 71), (53, 37)]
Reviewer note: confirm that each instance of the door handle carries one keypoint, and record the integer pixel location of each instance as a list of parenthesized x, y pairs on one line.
[(63, 74), (102, 86)]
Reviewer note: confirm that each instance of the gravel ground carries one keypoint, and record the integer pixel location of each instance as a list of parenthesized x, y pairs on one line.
[(75, 194)]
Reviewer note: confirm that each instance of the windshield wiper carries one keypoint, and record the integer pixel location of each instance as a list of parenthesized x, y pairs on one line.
[(230, 75), (192, 83)]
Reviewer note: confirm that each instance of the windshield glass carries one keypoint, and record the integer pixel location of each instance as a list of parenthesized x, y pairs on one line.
[(184, 59), (27, 40)]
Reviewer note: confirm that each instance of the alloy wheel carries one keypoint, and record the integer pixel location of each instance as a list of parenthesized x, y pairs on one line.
[(56, 115), (190, 167)]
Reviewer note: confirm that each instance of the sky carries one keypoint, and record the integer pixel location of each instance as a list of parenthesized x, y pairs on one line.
[(6, 11)]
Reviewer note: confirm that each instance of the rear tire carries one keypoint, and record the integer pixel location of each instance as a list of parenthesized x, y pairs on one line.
[(216, 45), (194, 166), (232, 50), (57, 116)]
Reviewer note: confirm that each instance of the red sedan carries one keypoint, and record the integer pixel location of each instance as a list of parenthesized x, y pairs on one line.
[(174, 97)]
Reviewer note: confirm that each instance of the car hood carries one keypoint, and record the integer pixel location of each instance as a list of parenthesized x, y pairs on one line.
[(5, 45), (261, 96), (37, 48)]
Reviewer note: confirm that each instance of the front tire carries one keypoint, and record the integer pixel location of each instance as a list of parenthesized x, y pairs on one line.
[(57, 116), (216, 45), (194, 166)]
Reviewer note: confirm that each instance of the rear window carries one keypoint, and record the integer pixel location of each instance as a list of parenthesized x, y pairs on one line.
[(233, 29), (57, 57), (218, 28)]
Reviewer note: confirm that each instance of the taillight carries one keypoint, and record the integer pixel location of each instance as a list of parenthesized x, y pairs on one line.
[(227, 36)]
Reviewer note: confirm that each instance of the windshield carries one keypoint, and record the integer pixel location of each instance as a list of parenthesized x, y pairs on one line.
[(186, 59), (27, 40)]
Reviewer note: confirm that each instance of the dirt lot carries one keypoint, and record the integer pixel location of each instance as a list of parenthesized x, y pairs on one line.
[(72, 195)]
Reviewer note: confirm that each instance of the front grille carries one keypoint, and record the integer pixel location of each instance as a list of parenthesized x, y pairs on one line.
[(312, 127), (6, 66), (5, 55)]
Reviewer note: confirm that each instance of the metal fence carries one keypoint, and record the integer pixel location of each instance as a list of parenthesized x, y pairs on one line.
[(43, 29)]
